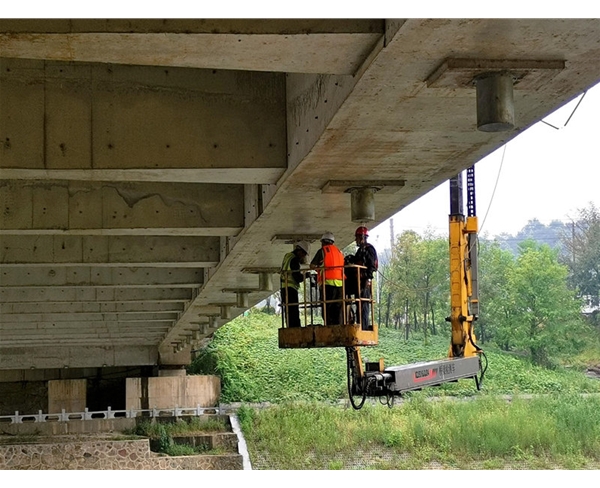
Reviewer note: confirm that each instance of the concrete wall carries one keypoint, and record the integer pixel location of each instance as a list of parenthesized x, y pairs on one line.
[(72, 427), (69, 395), (23, 396), (171, 391)]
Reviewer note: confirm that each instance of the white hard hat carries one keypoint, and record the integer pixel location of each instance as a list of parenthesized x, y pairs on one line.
[(302, 245), (328, 236)]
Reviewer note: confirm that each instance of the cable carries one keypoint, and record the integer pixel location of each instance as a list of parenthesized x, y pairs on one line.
[(576, 107), (495, 186), (572, 113)]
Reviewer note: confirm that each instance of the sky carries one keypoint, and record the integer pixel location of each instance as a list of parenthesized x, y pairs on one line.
[(545, 172)]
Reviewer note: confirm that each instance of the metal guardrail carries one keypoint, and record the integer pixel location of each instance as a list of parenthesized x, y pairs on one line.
[(109, 414)]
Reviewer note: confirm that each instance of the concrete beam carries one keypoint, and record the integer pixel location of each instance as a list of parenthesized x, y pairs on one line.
[(148, 339), (111, 251), (42, 357), (90, 276), (191, 26), (178, 175), (67, 295), (93, 307), (315, 47), (67, 207), (82, 318), (82, 117)]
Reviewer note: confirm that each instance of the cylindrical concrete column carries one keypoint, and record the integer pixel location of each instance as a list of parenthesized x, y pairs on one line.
[(495, 106), (242, 300), (362, 204), (265, 282), (225, 312)]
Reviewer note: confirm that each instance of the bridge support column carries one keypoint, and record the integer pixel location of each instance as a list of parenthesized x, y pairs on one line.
[(362, 204), (67, 395), (173, 391), (495, 107)]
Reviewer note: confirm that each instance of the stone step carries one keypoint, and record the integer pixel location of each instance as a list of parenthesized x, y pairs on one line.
[(226, 441)]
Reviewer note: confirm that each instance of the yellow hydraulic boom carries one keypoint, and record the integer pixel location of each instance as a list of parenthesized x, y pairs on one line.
[(464, 296)]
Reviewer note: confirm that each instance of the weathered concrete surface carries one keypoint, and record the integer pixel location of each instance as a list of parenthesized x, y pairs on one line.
[(170, 391), (167, 146), (67, 395)]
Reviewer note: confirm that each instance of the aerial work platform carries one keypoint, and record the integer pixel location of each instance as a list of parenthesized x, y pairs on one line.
[(327, 336)]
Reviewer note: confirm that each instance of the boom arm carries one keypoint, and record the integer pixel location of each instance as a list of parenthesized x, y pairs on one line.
[(464, 354), (464, 300)]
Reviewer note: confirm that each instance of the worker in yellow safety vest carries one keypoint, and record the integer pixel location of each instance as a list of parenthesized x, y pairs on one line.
[(329, 263), (291, 278)]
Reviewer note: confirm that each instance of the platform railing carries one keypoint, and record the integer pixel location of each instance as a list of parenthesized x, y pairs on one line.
[(313, 305), (63, 416)]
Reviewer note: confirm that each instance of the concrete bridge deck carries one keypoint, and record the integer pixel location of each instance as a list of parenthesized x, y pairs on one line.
[(150, 170)]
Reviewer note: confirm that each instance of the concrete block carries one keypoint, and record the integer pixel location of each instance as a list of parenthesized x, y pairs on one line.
[(69, 395)]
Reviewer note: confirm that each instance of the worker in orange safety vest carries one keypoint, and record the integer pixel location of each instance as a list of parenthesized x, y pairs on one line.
[(329, 263)]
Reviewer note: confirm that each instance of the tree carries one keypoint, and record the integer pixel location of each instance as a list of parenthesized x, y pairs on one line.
[(432, 286), (545, 313), (400, 278), (495, 266), (582, 256), (416, 279)]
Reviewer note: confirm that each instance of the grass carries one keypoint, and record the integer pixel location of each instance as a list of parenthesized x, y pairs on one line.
[(245, 354), (186, 450), (164, 432), (465, 429), (484, 433), (193, 425)]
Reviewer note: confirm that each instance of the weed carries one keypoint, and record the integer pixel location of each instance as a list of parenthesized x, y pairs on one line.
[(465, 435)]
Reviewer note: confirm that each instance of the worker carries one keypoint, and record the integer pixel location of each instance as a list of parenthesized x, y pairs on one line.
[(291, 278), (329, 263), (366, 256)]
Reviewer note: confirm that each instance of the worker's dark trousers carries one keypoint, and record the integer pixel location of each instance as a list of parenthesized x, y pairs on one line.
[(365, 318), (289, 300), (333, 311)]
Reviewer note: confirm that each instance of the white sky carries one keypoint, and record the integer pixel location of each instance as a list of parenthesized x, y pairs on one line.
[(546, 174)]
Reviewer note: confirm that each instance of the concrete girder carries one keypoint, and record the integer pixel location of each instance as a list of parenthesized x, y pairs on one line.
[(265, 176), (33, 338), (67, 207), (82, 356), (68, 295), (340, 47), (192, 26), (94, 307), (89, 276), (81, 318), (111, 251), (81, 117)]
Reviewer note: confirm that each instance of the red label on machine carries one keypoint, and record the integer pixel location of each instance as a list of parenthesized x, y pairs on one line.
[(424, 374)]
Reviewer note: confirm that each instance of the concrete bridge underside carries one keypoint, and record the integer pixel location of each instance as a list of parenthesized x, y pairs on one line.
[(151, 170)]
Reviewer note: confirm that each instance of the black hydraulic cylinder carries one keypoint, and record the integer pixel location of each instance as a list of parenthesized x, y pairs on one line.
[(456, 196)]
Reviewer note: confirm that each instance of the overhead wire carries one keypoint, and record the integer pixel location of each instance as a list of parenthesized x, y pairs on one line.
[(572, 113), (495, 187)]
